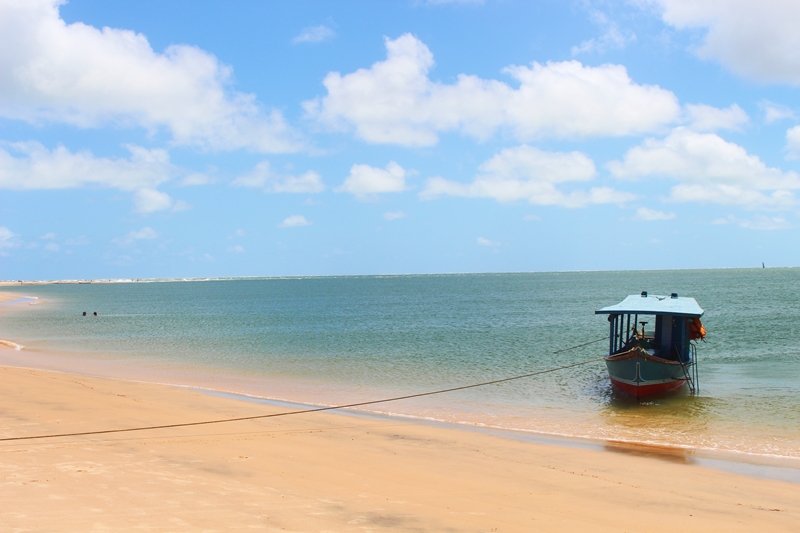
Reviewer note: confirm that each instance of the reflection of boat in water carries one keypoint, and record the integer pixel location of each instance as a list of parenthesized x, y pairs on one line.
[(644, 362)]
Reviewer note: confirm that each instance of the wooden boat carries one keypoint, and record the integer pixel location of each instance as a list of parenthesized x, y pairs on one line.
[(645, 362)]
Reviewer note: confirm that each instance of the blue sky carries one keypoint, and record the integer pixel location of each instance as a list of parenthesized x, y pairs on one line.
[(192, 139)]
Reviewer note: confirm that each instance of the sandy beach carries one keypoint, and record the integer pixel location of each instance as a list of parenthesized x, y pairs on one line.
[(332, 472), (8, 296)]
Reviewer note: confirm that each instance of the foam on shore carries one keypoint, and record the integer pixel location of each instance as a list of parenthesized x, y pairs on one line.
[(10, 344)]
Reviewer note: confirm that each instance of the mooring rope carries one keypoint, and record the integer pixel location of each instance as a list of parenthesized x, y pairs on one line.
[(579, 345), (315, 409)]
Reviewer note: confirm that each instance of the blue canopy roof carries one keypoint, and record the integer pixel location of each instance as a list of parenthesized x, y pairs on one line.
[(652, 304)]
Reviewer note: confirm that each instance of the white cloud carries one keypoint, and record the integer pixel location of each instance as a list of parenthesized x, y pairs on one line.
[(78, 74), (146, 233), (759, 223), (197, 178), (395, 101), (255, 178), (612, 37), (294, 221), (707, 118), (758, 40), (394, 215), (793, 142), (262, 176), (774, 112), (765, 223), (486, 242), (8, 239), (308, 182), (717, 193), (52, 247), (647, 214), (151, 200), (710, 170), (29, 165), (366, 182), (48, 236), (236, 249), (80, 240), (527, 173), (180, 205), (36, 167), (314, 34)]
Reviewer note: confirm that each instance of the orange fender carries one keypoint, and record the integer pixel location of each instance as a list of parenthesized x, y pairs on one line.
[(696, 330)]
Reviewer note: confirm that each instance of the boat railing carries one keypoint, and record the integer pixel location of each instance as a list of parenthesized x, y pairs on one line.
[(689, 367)]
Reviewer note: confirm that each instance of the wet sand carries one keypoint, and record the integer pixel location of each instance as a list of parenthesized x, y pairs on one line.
[(9, 296), (331, 472)]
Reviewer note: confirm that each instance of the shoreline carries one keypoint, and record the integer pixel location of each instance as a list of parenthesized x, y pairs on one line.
[(760, 465), (333, 471), (18, 283), (611, 421), (773, 466), (7, 297)]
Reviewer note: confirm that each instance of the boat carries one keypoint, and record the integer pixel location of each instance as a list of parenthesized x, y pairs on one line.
[(644, 361)]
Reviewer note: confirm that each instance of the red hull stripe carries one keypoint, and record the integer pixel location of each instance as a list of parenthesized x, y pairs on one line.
[(640, 391)]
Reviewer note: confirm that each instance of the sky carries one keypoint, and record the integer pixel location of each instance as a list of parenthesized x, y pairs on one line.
[(151, 139)]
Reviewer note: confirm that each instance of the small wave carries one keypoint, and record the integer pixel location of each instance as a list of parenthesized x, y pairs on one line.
[(10, 344)]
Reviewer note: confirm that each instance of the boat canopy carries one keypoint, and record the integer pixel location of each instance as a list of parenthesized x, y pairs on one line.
[(651, 304)]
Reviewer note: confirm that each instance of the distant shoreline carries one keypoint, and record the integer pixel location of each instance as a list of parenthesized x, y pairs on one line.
[(18, 283)]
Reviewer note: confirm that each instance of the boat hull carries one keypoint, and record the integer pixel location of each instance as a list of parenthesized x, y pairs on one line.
[(639, 374)]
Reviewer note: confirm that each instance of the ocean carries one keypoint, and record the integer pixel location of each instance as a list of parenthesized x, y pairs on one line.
[(335, 340)]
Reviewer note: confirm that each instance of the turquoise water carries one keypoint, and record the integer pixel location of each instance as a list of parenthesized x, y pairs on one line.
[(346, 339)]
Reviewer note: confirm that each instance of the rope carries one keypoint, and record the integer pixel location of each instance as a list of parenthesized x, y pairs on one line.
[(314, 409), (579, 345)]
